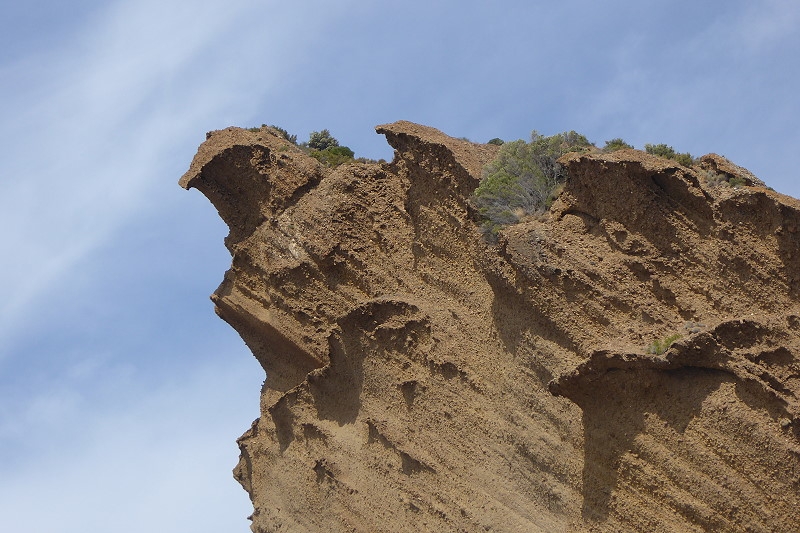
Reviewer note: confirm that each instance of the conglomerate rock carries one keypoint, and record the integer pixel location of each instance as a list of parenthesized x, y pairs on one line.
[(419, 378)]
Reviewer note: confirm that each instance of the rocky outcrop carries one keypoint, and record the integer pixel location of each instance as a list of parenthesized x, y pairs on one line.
[(421, 379)]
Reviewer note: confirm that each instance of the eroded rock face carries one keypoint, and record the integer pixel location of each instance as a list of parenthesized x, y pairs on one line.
[(420, 379)]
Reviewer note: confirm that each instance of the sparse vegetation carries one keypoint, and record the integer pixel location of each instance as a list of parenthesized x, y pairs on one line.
[(664, 150), (716, 179), (685, 159), (659, 346), (523, 178), (736, 182), (370, 161), (321, 145), (286, 135), (615, 144), (333, 156)]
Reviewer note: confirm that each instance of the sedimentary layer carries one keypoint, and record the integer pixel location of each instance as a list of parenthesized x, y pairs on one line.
[(420, 378)]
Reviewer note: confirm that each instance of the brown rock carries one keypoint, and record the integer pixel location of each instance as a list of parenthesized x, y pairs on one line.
[(410, 364), (720, 165)]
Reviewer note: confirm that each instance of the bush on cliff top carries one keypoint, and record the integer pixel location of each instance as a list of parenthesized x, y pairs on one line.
[(321, 145), (321, 140), (522, 179), (669, 152), (325, 148), (285, 134), (615, 144), (333, 156)]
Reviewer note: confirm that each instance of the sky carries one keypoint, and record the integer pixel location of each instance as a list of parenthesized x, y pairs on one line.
[(121, 392)]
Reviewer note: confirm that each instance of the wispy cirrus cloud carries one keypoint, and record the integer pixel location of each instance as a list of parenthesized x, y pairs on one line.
[(119, 398), (84, 137), (94, 122), (96, 131)]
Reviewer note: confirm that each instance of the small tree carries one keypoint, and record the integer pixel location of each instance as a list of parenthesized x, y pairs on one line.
[(523, 178), (320, 140)]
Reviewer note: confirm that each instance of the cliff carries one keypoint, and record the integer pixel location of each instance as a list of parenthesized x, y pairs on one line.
[(421, 379)]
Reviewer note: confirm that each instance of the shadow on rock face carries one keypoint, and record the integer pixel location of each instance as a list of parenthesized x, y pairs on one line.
[(408, 361), (336, 388), (619, 408), (676, 440), (371, 329)]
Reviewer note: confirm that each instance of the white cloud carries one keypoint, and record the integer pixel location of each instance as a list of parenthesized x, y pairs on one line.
[(96, 135), (97, 132), (98, 120), (75, 168)]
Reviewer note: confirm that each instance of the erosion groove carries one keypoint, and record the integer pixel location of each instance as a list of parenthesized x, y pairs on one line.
[(419, 378)]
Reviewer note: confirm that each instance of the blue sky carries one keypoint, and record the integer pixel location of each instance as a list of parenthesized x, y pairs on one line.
[(121, 393)]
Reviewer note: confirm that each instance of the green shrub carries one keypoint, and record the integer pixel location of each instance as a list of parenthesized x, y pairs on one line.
[(333, 156), (615, 144), (522, 178), (684, 159), (659, 346), (321, 140), (716, 179), (661, 150), (497, 141), (737, 182), (669, 152)]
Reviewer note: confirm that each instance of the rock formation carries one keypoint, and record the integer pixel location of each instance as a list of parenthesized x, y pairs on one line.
[(419, 378)]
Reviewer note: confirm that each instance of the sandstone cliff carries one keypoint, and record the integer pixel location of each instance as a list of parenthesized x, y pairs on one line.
[(420, 379)]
